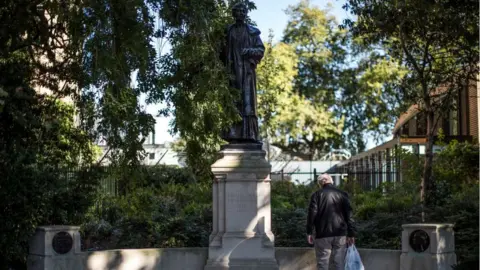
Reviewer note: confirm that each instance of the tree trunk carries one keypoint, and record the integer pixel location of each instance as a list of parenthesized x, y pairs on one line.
[(427, 181)]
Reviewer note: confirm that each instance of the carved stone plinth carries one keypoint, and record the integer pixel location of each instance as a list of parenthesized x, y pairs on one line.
[(428, 246), (241, 237), (55, 247)]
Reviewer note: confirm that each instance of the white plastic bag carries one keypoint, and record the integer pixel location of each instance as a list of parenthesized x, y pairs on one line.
[(353, 260)]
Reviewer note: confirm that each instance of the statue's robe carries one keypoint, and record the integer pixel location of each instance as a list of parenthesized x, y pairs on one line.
[(243, 51)]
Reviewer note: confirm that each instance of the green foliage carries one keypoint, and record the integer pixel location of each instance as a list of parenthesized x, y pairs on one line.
[(379, 219), (458, 161), (198, 157), (324, 88), (115, 38), (289, 213), (84, 51), (194, 79), (275, 75), (38, 140), (75, 194), (177, 213), (150, 176), (320, 47), (370, 99), (285, 112), (438, 44), (159, 175), (174, 215), (380, 214), (166, 207)]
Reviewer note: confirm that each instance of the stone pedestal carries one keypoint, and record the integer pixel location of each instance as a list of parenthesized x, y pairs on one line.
[(55, 247), (241, 237), (428, 247)]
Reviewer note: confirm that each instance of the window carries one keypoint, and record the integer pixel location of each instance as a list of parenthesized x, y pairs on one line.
[(421, 149), (408, 148), (151, 155), (453, 119), (405, 129), (421, 122)]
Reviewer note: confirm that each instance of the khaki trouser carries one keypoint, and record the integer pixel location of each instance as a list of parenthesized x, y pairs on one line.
[(335, 246)]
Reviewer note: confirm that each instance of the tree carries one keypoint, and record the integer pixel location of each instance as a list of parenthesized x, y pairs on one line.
[(437, 41), (84, 51), (369, 99), (114, 38), (310, 108), (87, 51), (318, 42), (286, 114), (335, 91), (193, 78), (38, 142)]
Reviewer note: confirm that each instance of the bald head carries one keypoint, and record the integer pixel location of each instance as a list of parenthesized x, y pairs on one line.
[(324, 179)]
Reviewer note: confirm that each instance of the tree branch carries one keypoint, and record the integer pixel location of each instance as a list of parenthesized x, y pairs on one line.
[(408, 54), (426, 56)]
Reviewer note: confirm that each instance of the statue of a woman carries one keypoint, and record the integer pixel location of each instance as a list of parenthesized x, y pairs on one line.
[(242, 52)]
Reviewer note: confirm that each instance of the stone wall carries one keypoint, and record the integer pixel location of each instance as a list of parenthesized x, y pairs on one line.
[(195, 259), (147, 259)]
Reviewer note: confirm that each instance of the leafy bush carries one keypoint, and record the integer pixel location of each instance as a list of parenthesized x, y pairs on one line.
[(169, 208), (37, 141), (380, 215), (172, 215), (288, 226), (158, 175), (289, 213)]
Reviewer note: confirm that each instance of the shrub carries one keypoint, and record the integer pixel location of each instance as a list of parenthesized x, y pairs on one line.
[(380, 215), (289, 212), (38, 140), (172, 215)]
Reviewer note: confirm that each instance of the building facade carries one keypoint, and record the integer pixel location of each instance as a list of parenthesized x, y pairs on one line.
[(383, 163)]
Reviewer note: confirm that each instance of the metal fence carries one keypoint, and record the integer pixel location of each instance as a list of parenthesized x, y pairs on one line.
[(103, 176), (107, 178), (296, 176), (369, 181), (366, 180), (305, 178)]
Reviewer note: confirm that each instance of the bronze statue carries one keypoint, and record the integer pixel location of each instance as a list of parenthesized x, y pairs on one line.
[(242, 52)]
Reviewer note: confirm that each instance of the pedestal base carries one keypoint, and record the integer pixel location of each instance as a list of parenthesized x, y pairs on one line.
[(55, 247), (428, 247), (241, 236)]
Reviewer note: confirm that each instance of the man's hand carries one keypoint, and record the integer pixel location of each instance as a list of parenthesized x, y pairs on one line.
[(310, 239), (350, 241)]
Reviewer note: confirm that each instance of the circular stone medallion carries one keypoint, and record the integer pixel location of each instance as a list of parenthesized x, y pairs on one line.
[(62, 242), (419, 241)]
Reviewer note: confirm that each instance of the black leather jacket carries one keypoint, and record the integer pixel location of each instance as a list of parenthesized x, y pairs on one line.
[(330, 213)]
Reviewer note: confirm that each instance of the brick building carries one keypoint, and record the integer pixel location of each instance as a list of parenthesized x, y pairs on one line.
[(381, 163)]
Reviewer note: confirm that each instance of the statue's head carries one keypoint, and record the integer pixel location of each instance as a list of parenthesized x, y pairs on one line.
[(239, 12)]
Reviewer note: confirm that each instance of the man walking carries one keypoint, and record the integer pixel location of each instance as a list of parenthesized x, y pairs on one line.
[(330, 214)]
